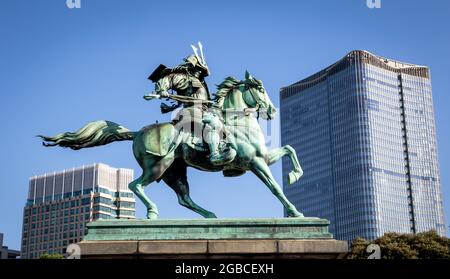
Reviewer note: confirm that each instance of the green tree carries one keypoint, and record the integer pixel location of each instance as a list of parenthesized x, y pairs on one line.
[(47, 256), (426, 245)]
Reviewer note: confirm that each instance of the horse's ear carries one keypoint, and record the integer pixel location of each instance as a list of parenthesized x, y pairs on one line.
[(248, 76)]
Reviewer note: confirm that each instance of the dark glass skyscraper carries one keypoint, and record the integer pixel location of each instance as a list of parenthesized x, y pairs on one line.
[(364, 132)]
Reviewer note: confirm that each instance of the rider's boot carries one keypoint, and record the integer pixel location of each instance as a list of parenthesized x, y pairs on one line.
[(218, 156), (213, 127)]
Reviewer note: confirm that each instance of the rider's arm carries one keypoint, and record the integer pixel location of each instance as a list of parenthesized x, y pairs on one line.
[(173, 81), (162, 86)]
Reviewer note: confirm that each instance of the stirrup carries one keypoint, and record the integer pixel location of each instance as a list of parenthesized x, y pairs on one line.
[(219, 158)]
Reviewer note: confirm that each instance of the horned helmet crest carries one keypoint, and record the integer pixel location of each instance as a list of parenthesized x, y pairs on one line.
[(197, 60)]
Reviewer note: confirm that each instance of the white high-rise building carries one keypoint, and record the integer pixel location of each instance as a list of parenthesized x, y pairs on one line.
[(60, 204)]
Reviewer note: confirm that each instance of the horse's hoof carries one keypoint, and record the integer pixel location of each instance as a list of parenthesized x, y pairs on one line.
[(211, 216), (295, 214), (152, 215), (294, 176)]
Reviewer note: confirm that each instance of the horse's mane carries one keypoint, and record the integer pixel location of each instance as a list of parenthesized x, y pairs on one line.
[(231, 83), (226, 87)]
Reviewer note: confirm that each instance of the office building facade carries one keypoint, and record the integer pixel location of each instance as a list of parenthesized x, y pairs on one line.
[(5, 252), (364, 131), (60, 204)]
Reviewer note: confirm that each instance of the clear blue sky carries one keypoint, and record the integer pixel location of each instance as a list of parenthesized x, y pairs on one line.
[(61, 68)]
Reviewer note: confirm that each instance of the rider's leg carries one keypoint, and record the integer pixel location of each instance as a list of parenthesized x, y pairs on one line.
[(212, 135)]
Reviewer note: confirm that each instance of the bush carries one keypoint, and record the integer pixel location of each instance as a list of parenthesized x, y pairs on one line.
[(47, 256), (426, 245)]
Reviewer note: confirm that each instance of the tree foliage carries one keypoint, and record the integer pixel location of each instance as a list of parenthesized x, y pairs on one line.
[(426, 245)]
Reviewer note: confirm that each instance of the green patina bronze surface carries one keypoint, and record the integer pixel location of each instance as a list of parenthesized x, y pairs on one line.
[(230, 138), (194, 229)]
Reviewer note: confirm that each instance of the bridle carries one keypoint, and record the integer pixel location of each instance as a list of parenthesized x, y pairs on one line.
[(259, 102)]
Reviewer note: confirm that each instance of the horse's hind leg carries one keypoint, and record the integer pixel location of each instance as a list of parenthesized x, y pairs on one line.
[(176, 178), (137, 186), (152, 169)]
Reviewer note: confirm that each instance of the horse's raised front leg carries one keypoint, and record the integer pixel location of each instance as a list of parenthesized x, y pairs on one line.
[(260, 168), (276, 154)]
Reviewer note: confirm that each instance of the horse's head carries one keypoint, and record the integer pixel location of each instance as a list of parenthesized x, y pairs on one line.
[(255, 96)]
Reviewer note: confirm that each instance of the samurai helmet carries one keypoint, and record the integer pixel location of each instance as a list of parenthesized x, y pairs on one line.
[(198, 61)]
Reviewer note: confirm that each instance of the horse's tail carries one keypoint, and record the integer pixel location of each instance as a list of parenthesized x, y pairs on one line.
[(92, 134)]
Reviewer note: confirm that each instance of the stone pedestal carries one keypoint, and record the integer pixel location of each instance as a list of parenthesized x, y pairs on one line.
[(212, 238)]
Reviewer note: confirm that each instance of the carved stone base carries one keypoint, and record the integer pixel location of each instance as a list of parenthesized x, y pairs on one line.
[(212, 238)]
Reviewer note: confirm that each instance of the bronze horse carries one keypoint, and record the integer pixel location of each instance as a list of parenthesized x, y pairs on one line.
[(164, 153)]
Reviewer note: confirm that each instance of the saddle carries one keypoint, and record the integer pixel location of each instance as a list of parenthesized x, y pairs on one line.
[(190, 120), (186, 128)]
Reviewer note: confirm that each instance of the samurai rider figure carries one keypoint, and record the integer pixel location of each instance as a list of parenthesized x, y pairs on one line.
[(188, 79)]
